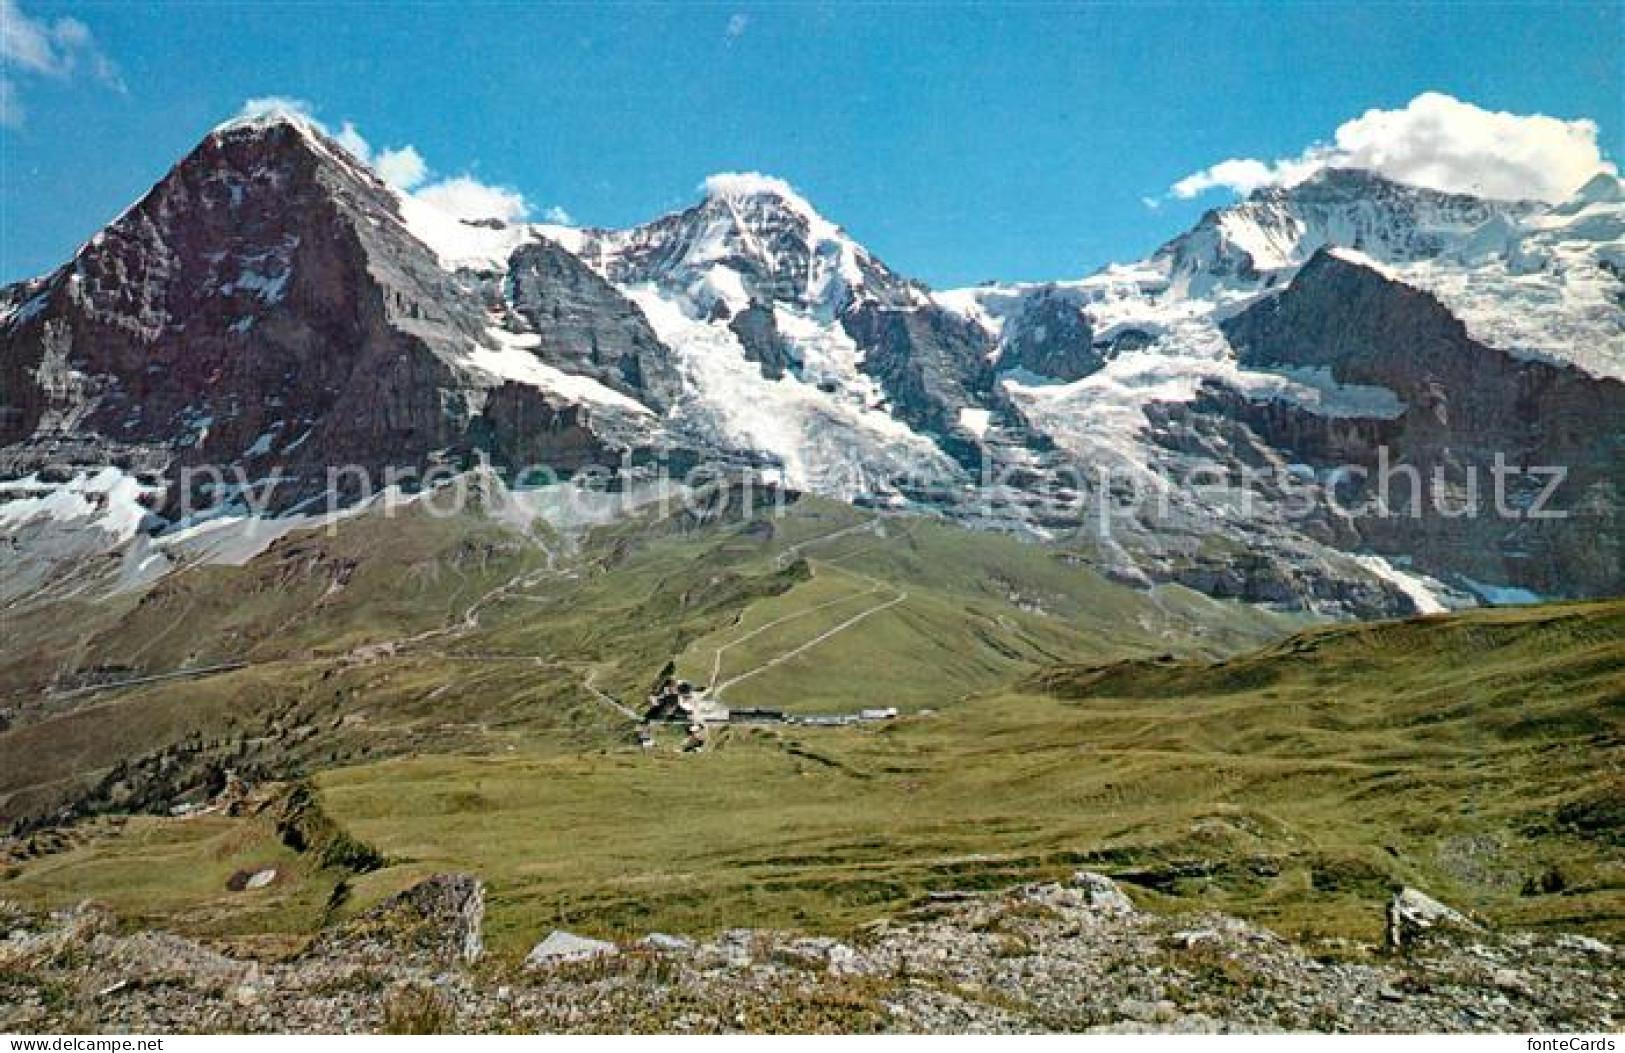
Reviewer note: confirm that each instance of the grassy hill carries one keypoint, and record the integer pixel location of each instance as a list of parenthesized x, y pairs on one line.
[(478, 633), (1475, 755)]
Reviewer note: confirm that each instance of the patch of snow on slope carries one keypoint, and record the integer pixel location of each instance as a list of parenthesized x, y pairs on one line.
[(1101, 418), (514, 359), (269, 287), (1360, 259), (1568, 314), (1503, 595), (460, 244), (1313, 389), (233, 538), (109, 500)]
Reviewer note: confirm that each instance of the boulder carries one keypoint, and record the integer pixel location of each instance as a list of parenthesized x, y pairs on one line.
[(1413, 914), (437, 922), (1102, 893), (667, 943), (562, 947)]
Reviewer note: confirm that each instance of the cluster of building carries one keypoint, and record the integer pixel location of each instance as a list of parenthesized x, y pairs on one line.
[(680, 702)]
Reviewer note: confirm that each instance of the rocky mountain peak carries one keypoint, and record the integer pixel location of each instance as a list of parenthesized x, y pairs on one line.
[(1257, 242), (752, 239), (1602, 188)]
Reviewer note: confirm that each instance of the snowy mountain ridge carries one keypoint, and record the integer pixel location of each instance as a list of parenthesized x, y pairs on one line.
[(272, 296)]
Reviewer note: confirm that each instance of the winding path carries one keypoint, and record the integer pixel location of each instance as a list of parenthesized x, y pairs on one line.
[(823, 637), (716, 658)]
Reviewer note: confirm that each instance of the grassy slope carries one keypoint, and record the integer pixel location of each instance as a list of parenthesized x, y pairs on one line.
[(972, 611), (1464, 754), (614, 609)]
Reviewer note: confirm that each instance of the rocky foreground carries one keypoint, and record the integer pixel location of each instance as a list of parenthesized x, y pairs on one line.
[(1074, 956)]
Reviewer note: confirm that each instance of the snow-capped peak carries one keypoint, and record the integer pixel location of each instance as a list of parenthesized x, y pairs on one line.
[(270, 117), (753, 239), (1604, 188), (754, 184), (1260, 240)]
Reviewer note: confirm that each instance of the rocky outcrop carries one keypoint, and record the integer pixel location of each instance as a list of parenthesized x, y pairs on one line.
[(1051, 338), (585, 326), (1554, 434), (1057, 957), (930, 362)]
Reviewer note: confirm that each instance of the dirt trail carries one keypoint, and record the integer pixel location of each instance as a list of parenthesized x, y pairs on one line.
[(875, 586), (716, 659)]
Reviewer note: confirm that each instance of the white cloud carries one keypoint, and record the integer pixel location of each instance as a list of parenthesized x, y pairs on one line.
[(275, 106), (352, 141), (404, 168), (1435, 141), (38, 47), (467, 198)]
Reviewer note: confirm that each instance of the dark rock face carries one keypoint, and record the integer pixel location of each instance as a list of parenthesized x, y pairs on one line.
[(587, 327), (1465, 405), (1075, 956), (263, 306), (758, 334), (930, 362), (519, 428), (1052, 338)]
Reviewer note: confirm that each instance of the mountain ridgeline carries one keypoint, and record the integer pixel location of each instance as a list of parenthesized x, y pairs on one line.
[(273, 309)]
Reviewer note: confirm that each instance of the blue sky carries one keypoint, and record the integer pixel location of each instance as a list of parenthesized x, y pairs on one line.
[(959, 143)]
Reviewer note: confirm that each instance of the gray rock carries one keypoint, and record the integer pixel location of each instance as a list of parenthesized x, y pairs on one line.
[(584, 325), (1102, 893), (561, 947), (661, 941), (1051, 337), (1412, 914), (1584, 944), (1463, 403), (437, 921)]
